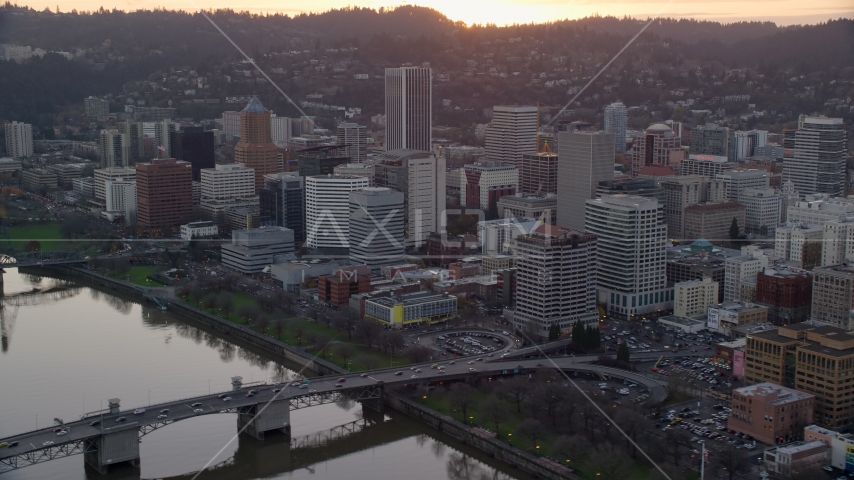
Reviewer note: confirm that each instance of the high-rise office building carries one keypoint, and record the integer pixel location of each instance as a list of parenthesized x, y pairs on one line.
[(744, 144), (376, 226), (762, 215), (420, 176), (256, 149), (815, 155), (683, 191), (538, 173), (103, 175), (711, 139), (737, 181), (135, 138), (327, 209), (19, 140), (96, 107), (511, 134), (585, 158), (231, 125), (196, 146), (283, 203), (226, 186), (658, 145), (555, 279), (280, 130), (615, 122), (630, 256), (164, 193), (833, 295), (352, 137), (121, 198), (408, 108), (483, 184), (114, 148), (163, 138)]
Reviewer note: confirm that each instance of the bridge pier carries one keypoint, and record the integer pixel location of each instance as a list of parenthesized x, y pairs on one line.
[(115, 445), (258, 420)]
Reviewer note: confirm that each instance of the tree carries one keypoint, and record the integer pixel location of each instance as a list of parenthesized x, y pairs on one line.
[(299, 331), (249, 312), (610, 462), (262, 322), (572, 448), (548, 398), (209, 302), (531, 429), (370, 362), (554, 331), (34, 246), (515, 390), (225, 302), (623, 352), (734, 231), (392, 339), (369, 331), (462, 398), (732, 462), (634, 424), (417, 353), (279, 326), (494, 411), (675, 441), (345, 351)]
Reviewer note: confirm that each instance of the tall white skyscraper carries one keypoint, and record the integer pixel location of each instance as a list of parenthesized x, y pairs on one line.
[(615, 122), (376, 226), (408, 108), (814, 156), (556, 278), (585, 158), (630, 256), (511, 134), (231, 124), (19, 140), (353, 137), (327, 209)]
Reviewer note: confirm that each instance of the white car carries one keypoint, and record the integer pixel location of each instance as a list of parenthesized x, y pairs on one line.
[(61, 433), (47, 443), (162, 416), (226, 399), (139, 411), (198, 410)]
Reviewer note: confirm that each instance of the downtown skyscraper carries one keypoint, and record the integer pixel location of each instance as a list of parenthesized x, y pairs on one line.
[(615, 122), (814, 156), (408, 108), (511, 134)]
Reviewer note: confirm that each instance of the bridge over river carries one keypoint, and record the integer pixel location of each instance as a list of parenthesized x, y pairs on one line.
[(105, 439)]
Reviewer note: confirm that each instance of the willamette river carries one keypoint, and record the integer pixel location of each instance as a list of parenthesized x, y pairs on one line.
[(67, 349)]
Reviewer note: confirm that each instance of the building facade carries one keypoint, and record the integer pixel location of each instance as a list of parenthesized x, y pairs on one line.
[(256, 149), (327, 209), (630, 255), (282, 203), (833, 295), (694, 296), (352, 137), (19, 140), (712, 221), (786, 293), (615, 122), (408, 108), (815, 154), (376, 226), (585, 159), (511, 134), (770, 413), (538, 173), (164, 193)]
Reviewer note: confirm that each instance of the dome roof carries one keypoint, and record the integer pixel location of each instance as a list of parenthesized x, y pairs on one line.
[(254, 106)]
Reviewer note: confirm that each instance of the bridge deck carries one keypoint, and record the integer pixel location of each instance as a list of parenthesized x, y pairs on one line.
[(320, 390)]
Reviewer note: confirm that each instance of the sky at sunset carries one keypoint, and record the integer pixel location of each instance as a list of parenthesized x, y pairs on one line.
[(502, 12)]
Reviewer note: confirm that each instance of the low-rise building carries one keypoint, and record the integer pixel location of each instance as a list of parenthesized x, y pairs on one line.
[(723, 317), (796, 457), (36, 179), (291, 273), (336, 289), (411, 309), (841, 454), (801, 244), (683, 324), (490, 264), (694, 296), (252, 250), (771, 413), (542, 207), (199, 230), (729, 358), (786, 292), (713, 220)]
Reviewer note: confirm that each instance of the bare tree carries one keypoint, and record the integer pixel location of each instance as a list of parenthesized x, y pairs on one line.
[(493, 410), (370, 362), (462, 398), (531, 429), (515, 390), (675, 442), (225, 302), (548, 398), (731, 461), (279, 326), (209, 301), (262, 322), (299, 331), (368, 331), (634, 424), (249, 312), (392, 339), (610, 462), (345, 351), (417, 353), (573, 448)]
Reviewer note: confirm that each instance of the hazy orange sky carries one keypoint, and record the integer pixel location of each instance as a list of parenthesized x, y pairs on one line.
[(785, 12)]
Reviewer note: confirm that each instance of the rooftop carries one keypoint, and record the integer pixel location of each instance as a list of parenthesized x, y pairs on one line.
[(254, 106), (409, 301), (712, 207), (772, 393)]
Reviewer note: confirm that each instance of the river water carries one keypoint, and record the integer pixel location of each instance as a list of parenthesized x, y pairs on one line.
[(67, 349)]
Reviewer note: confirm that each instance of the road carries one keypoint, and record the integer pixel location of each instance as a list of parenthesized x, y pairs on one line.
[(212, 404)]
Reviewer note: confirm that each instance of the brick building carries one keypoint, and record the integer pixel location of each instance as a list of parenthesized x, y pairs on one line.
[(336, 289), (770, 413), (787, 294), (164, 193)]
